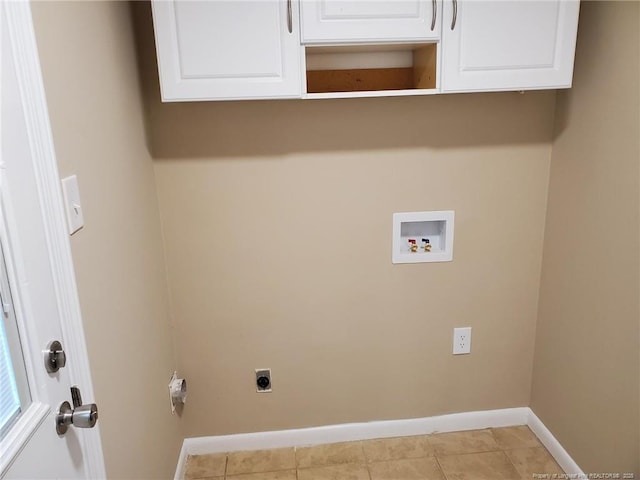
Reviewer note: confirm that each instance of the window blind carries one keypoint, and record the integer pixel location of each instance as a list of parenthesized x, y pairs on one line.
[(9, 399)]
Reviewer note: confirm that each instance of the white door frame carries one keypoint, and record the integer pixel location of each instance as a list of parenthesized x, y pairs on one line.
[(25, 51)]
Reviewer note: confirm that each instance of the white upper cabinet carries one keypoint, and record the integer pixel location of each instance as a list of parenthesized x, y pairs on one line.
[(241, 49), (358, 21), (508, 45), (263, 49)]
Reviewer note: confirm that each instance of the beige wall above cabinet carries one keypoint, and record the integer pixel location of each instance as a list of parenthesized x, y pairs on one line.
[(224, 50)]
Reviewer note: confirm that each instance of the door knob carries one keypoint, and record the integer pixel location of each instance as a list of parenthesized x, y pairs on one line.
[(81, 416)]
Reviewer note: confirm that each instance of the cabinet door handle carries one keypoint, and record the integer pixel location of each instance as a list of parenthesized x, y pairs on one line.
[(455, 14), (289, 17), (434, 14)]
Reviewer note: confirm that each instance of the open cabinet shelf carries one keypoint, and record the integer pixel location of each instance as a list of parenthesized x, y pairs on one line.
[(371, 70)]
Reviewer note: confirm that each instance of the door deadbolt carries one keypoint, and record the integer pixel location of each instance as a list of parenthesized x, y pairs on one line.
[(81, 416), (54, 357)]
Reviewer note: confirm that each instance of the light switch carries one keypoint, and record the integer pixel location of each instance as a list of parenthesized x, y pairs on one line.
[(71, 194)]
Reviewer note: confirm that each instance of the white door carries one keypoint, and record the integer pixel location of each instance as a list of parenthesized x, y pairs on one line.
[(508, 44), (228, 49), (331, 21), (39, 299)]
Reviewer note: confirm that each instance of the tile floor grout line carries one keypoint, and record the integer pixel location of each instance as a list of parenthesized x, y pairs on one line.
[(401, 459), (514, 465), (440, 467), (366, 459), (263, 471)]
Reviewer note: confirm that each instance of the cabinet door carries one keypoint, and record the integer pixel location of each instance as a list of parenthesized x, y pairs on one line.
[(225, 50), (349, 21), (508, 44)]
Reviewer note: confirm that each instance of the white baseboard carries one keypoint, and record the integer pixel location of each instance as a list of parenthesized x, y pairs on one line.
[(556, 450), (379, 429)]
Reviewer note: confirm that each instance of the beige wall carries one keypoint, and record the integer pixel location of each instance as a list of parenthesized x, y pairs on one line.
[(585, 383), (277, 224), (90, 75)]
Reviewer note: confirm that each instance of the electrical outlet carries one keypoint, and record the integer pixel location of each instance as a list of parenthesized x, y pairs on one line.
[(461, 340), (263, 380)]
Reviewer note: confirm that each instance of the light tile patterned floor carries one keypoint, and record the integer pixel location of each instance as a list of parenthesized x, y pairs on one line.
[(512, 453)]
